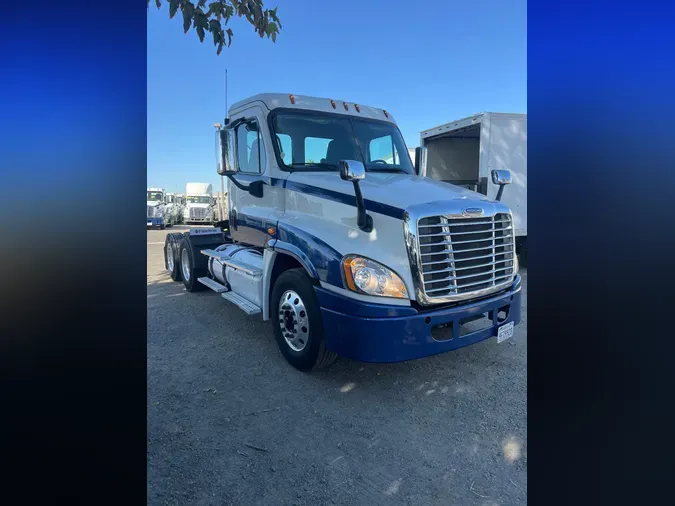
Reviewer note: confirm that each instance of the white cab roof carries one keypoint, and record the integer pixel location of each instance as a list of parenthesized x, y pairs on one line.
[(276, 100), (155, 189)]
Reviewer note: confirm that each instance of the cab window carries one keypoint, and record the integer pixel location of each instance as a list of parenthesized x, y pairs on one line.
[(250, 150)]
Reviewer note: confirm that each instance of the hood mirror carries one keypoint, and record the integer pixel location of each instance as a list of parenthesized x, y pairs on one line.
[(354, 171), (502, 178)]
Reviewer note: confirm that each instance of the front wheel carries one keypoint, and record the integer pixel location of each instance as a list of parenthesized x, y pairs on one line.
[(298, 326)]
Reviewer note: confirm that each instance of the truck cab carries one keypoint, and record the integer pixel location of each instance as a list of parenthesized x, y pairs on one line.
[(172, 209), (199, 203), (157, 215), (334, 238)]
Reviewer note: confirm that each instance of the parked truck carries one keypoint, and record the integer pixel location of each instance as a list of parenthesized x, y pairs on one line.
[(199, 203), (464, 153), (335, 239), (173, 209), (180, 202), (157, 215)]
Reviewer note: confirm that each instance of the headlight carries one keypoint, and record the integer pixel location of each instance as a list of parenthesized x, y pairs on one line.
[(371, 278)]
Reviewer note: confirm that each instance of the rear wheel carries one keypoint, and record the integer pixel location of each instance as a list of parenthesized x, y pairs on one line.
[(298, 326), (171, 251), (188, 271)]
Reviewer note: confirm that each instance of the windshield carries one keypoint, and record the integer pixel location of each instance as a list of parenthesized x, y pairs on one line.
[(318, 141), (155, 196), (198, 200)]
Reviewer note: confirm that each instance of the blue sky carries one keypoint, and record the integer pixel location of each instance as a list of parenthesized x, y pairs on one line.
[(426, 63)]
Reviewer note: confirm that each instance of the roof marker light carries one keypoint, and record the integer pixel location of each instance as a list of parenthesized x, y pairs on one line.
[(346, 106), (292, 97), (386, 114), (356, 106), (332, 102)]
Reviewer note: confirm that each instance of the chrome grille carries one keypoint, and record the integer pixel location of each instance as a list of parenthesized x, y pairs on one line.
[(197, 212), (460, 256), (151, 211)]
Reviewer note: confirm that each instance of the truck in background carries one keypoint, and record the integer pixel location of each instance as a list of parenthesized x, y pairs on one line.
[(335, 239), (199, 203), (157, 215), (180, 200), (173, 209), (220, 208), (464, 152)]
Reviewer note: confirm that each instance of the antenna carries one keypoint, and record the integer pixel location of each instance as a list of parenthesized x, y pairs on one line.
[(226, 113)]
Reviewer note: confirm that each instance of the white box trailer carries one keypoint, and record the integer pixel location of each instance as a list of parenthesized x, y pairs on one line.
[(464, 152)]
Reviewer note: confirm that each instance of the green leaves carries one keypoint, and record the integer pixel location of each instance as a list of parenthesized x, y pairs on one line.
[(264, 21), (173, 8)]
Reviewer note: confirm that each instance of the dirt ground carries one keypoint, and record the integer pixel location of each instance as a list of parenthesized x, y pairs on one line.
[(230, 422)]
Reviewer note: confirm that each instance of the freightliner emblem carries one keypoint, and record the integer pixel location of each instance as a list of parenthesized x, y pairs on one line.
[(472, 211)]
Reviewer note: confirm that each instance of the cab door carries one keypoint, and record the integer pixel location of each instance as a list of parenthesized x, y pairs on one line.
[(250, 216)]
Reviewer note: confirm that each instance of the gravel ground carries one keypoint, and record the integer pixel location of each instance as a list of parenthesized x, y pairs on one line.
[(230, 422)]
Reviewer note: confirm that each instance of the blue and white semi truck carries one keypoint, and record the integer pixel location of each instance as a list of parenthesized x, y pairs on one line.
[(157, 215), (334, 237)]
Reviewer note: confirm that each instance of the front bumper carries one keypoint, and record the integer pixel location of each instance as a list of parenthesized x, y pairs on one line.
[(198, 220), (155, 222), (385, 333)]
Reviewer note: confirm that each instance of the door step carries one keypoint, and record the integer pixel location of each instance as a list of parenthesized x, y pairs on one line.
[(246, 306), (230, 262), (212, 284)]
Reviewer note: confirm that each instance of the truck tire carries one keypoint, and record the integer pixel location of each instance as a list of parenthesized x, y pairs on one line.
[(171, 245), (189, 272), (298, 326)]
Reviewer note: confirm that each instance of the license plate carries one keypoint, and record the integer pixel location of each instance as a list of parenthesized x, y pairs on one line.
[(149, 224), (504, 332)]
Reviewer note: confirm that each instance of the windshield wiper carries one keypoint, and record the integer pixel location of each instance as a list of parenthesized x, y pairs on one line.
[(374, 169), (319, 165)]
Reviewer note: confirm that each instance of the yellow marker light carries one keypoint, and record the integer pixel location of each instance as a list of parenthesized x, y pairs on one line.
[(332, 102), (356, 106), (346, 106), (292, 97), (271, 230)]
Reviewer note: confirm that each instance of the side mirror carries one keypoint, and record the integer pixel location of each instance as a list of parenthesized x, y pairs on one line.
[(225, 152), (502, 178), (352, 170)]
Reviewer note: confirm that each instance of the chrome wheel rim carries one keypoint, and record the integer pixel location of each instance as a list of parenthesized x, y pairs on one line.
[(293, 320), (185, 264), (169, 256)]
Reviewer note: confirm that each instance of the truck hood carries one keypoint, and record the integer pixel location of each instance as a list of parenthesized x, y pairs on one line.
[(198, 205), (397, 190)]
